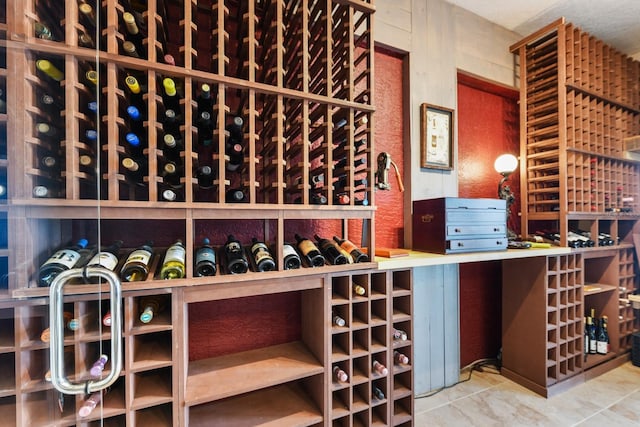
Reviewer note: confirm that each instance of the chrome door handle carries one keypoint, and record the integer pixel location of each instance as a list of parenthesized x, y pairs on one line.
[(56, 353)]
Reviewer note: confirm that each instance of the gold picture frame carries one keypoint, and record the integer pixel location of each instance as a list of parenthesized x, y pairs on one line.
[(436, 137)]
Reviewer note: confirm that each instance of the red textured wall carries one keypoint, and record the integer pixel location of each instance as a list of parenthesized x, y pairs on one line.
[(487, 127)]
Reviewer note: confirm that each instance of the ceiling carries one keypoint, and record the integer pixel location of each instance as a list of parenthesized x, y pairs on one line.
[(616, 22)]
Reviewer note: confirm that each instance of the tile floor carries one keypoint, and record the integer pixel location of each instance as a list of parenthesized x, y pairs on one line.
[(612, 399)]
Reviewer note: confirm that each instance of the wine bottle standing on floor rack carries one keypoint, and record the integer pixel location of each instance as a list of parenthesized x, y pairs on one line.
[(136, 267), (291, 258), (234, 256), (205, 259), (107, 257), (61, 260), (150, 306), (173, 266), (330, 251), (354, 251), (602, 339), (310, 252), (261, 256), (592, 336)]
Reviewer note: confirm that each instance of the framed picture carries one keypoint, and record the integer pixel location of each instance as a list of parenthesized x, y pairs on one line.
[(436, 137)]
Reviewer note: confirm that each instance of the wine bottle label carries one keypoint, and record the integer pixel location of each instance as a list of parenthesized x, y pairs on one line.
[(233, 247), (288, 250), (306, 246), (105, 259), (139, 255), (206, 254), (66, 257), (260, 252), (601, 347), (175, 253)]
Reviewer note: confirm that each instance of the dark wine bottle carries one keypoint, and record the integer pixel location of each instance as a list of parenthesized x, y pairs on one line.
[(204, 101), (593, 343), (133, 33), (107, 257), (205, 176), (234, 256), (61, 260), (261, 256), (354, 251), (331, 253), (42, 31), (170, 123), (171, 147), (235, 195), (136, 267), (291, 258), (170, 95), (236, 157), (310, 252), (205, 260)]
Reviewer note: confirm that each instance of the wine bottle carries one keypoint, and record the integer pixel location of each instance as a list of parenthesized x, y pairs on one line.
[(150, 306), (204, 174), (67, 317), (61, 260), (135, 171), (204, 101), (173, 266), (359, 290), (135, 91), (378, 394), (330, 251), (236, 135), (170, 95), (205, 260), (236, 157), (380, 368), (399, 335), (130, 49), (235, 195), (172, 147), (135, 120), (400, 358), (136, 267), (42, 31), (340, 375), (171, 174), (90, 404), (586, 337), (48, 130), (310, 252), (107, 257), (261, 256), (593, 343), (49, 69), (354, 251), (234, 256), (338, 321), (98, 365), (291, 258), (106, 319), (133, 33), (602, 338)]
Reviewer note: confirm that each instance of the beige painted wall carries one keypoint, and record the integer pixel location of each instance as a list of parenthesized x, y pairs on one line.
[(440, 39)]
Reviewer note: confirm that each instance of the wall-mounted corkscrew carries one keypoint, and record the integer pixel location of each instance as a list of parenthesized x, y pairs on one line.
[(382, 174)]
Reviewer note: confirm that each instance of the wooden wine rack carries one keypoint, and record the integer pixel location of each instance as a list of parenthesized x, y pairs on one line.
[(300, 75), (580, 101)]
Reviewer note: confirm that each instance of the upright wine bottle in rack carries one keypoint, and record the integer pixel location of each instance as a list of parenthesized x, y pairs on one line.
[(262, 256), (593, 343), (136, 267), (310, 252), (61, 260), (234, 256), (173, 266), (205, 259), (602, 338)]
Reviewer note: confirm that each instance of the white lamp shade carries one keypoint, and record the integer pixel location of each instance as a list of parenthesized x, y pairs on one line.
[(506, 163)]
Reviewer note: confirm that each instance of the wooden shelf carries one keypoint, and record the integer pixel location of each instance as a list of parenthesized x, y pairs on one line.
[(282, 405), (258, 368), (596, 288)]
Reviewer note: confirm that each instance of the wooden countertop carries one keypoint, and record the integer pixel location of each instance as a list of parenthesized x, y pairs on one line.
[(424, 259)]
